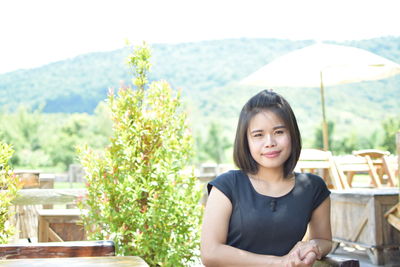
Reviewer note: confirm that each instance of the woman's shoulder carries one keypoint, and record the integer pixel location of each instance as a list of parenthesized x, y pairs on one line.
[(309, 179), (226, 180), (230, 176)]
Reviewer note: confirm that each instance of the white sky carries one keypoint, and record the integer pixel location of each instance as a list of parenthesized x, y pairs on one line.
[(37, 32)]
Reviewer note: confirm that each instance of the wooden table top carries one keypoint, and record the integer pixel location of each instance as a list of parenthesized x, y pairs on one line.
[(109, 261)]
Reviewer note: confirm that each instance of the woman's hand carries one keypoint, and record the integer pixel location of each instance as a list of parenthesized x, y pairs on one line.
[(302, 254), (307, 247)]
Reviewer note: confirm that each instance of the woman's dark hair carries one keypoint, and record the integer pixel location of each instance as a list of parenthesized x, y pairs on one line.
[(271, 101)]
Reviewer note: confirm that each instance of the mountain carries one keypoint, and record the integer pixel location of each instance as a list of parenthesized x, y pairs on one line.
[(208, 73)]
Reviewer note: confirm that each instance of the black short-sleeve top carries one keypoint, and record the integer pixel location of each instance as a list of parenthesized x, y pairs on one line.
[(269, 225)]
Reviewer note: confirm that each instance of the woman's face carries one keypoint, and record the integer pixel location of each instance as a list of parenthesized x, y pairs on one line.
[(269, 140)]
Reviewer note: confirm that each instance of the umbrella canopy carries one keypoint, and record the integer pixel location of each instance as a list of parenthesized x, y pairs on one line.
[(322, 65)]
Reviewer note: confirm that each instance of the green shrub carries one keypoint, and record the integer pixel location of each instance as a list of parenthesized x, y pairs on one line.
[(9, 185), (138, 194)]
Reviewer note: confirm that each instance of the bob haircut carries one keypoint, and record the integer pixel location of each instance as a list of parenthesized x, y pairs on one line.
[(271, 101)]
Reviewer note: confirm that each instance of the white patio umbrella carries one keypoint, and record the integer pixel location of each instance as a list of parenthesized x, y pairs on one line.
[(322, 65)]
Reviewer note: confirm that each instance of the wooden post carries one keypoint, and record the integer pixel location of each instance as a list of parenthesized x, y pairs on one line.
[(325, 135), (398, 157)]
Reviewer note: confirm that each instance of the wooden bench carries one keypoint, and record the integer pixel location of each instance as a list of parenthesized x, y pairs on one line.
[(57, 249)]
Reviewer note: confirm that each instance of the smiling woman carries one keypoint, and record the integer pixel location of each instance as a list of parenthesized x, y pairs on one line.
[(259, 214)]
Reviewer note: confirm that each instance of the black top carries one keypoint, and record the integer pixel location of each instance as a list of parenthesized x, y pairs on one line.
[(269, 225)]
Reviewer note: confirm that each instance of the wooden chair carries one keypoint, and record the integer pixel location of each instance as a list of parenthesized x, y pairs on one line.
[(391, 168), (393, 216), (58, 225), (349, 165), (312, 160), (26, 219), (57, 249), (383, 163)]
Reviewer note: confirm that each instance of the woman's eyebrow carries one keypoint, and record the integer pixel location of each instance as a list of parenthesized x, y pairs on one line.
[(279, 127), (257, 131)]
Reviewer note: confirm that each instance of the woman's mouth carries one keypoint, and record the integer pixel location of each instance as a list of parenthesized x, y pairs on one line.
[(272, 154)]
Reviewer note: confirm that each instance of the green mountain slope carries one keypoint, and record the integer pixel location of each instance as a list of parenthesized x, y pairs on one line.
[(207, 72)]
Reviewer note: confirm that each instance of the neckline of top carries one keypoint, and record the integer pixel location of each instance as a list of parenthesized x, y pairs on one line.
[(267, 196)]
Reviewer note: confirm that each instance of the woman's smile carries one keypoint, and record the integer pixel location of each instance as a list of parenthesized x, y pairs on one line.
[(272, 154)]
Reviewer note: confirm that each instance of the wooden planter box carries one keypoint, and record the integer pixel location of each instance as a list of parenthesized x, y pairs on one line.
[(357, 217)]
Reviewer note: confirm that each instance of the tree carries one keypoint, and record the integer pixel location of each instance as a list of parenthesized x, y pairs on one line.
[(318, 141), (390, 126), (138, 193), (24, 130), (215, 145)]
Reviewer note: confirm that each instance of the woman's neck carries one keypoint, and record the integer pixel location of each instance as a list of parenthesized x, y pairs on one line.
[(271, 183), (270, 175)]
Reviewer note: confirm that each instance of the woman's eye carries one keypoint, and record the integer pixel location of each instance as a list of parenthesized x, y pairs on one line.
[(279, 132)]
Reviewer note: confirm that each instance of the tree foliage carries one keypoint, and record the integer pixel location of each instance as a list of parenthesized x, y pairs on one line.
[(391, 126), (42, 140), (214, 146), (9, 186), (138, 194)]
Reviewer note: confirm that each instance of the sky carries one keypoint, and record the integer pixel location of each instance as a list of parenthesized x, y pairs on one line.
[(37, 32)]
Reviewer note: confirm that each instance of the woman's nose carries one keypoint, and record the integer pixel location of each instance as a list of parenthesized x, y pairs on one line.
[(269, 141)]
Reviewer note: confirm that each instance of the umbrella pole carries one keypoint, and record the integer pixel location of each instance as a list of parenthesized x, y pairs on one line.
[(324, 124)]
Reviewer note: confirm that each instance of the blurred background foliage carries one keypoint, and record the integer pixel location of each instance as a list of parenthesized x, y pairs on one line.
[(48, 141), (49, 110)]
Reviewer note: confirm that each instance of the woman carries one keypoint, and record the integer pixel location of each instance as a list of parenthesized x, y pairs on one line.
[(258, 215)]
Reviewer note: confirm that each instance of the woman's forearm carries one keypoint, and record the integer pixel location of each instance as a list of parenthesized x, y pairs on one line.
[(225, 255), (324, 246)]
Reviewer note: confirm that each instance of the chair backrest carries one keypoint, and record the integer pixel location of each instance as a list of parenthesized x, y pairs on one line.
[(57, 249), (357, 164), (391, 167), (352, 163), (314, 159)]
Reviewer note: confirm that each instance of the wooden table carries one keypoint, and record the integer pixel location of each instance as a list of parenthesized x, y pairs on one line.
[(111, 261)]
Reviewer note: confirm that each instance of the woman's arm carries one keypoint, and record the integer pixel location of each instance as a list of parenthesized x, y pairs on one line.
[(320, 227), (320, 234), (214, 251)]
